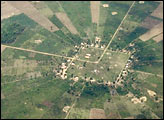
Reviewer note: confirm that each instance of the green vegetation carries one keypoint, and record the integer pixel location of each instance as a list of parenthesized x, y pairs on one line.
[(9, 33), (79, 14), (31, 83)]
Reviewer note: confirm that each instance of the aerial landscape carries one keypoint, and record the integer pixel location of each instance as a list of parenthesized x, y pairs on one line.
[(81, 59)]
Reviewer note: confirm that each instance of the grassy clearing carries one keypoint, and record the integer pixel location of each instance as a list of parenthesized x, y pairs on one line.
[(107, 69)]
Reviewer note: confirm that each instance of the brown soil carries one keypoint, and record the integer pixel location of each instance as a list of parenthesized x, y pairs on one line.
[(149, 22), (28, 9), (97, 114), (67, 22), (95, 9)]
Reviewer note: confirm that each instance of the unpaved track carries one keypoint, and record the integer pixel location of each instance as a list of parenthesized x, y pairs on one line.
[(74, 103), (44, 53), (66, 21), (116, 31), (95, 9), (2, 48), (28, 9), (157, 29), (158, 38), (148, 73)]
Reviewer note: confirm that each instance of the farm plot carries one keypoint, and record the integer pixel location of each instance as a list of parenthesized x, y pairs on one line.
[(38, 102), (157, 29), (35, 37), (106, 70), (31, 91), (79, 13), (134, 26), (149, 22), (33, 13), (66, 21), (7, 10), (95, 5), (110, 19), (97, 114), (42, 8), (158, 12), (158, 38)]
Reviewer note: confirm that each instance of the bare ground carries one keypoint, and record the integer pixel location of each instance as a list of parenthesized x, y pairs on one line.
[(7, 10), (157, 29), (95, 9), (33, 13), (158, 12), (149, 22), (2, 48), (97, 114), (67, 22), (2, 95), (158, 38)]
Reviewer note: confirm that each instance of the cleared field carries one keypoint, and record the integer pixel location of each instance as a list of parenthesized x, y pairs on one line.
[(42, 8), (80, 15), (149, 22), (91, 54), (95, 9), (157, 29), (133, 26), (66, 21), (8, 11), (33, 93), (97, 114), (158, 38), (34, 32), (33, 13), (159, 11)]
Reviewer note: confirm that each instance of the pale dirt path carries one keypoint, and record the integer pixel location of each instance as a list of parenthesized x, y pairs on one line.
[(74, 103), (116, 32), (44, 53), (148, 73), (28, 9), (2, 48), (95, 9)]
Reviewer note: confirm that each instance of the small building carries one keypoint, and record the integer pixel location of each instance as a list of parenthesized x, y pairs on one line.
[(151, 93), (114, 13), (105, 5), (141, 2), (143, 99)]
